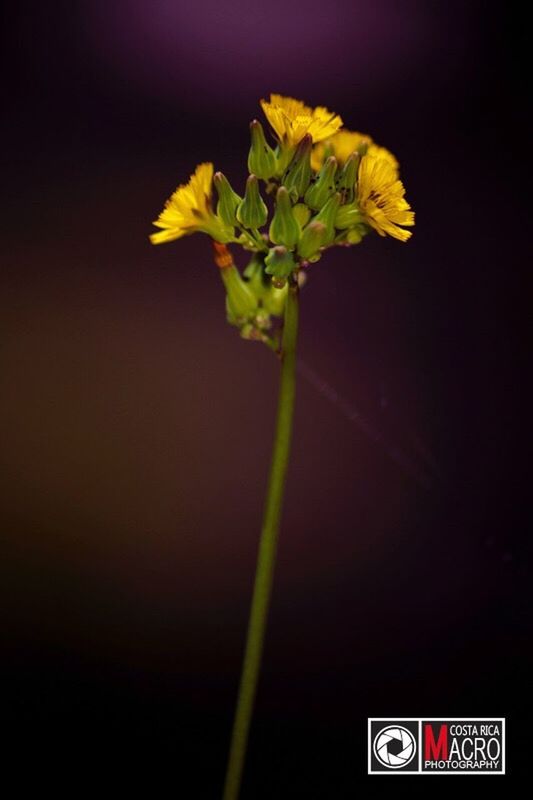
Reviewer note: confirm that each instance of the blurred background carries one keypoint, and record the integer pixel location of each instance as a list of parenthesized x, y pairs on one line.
[(137, 425)]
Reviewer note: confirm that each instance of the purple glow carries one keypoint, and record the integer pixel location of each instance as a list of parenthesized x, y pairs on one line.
[(237, 51)]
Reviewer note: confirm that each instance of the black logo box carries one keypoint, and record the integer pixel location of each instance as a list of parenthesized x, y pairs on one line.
[(376, 726), (416, 766)]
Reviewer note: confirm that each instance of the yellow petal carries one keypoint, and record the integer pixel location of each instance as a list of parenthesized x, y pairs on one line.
[(381, 196), (188, 208), (291, 119)]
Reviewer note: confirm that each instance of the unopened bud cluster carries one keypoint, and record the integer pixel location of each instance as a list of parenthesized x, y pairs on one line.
[(298, 212), (287, 221)]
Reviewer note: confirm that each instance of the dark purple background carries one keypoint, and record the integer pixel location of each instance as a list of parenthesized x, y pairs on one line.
[(137, 424)]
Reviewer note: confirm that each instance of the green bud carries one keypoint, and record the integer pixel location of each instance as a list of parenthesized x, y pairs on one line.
[(249, 331), (327, 216), (254, 267), (261, 158), (312, 240), (241, 302), (279, 262), (284, 155), (228, 200), (347, 216), (230, 316), (254, 275), (320, 191), (275, 298), (252, 212), (302, 214), (272, 299), (284, 228), (348, 176), (298, 175), (354, 236), (262, 319)]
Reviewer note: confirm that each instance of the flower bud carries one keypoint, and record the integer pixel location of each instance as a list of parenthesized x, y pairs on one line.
[(228, 200), (347, 216), (252, 212), (311, 240), (241, 302), (327, 215), (275, 298), (354, 236), (298, 175), (251, 331), (284, 154), (272, 299), (279, 262), (348, 176), (261, 158), (302, 214), (253, 273), (262, 319), (320, 191), (284, 228)]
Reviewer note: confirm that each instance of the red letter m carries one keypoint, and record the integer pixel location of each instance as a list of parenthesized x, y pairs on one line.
[(436, 750)]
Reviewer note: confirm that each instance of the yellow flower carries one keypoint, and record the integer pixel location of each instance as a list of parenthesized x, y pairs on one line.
[(381, 198), (291, 120), (343, 144), (381, 152), (189, 210)]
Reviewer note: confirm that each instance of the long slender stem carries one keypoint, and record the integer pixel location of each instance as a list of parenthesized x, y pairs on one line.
[(267, 550)]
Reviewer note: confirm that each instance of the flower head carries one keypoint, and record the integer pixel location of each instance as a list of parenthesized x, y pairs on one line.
[(291, 120), (189, 210), (343, 144), (381, 198), (324, 187)]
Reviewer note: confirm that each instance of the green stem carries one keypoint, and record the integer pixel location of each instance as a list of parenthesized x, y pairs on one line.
[(267, 550)]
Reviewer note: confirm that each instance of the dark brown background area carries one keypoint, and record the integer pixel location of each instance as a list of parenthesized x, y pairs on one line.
[(137, 425)]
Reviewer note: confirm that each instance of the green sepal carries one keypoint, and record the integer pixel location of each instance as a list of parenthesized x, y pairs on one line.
[(312, 239), (347, 216), (228, 200), (254, 274), (252, 212), (327, 215), (274, 300), (320, 191), (241, 301), (302, 214), (271, 299), (284, 228), (354, 236), (346, 180), (298, 174), (261, 158), (284, 154), (279, 262)]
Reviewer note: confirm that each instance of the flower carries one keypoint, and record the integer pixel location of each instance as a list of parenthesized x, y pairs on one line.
[(343, 144), (381, 152), (189, 210), (381, 198), (291, 120)]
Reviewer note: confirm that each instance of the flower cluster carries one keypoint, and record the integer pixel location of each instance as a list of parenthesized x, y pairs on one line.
[(323, 186)]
